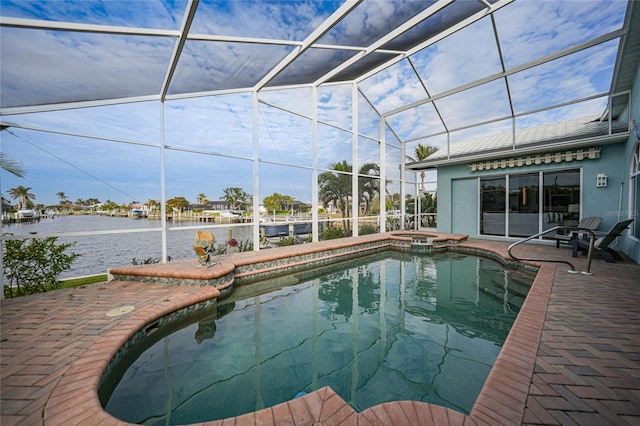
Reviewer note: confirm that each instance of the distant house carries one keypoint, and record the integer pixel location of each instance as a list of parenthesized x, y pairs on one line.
[(217, 205)]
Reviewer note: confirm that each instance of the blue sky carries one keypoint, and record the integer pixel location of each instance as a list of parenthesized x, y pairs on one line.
[(51, 65)]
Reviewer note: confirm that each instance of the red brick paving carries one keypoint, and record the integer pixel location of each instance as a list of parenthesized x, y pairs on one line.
[(573, 356)]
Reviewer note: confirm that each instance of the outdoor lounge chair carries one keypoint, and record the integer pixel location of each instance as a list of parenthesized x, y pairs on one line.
[(591, 222), (601, 245)]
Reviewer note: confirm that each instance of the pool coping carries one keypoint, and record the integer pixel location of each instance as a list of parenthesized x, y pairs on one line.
[(502, 399)]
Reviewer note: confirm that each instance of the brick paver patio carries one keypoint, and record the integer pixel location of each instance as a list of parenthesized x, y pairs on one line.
[(573, 356)]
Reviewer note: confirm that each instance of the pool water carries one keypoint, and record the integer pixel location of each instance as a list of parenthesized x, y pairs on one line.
[(388, 327)]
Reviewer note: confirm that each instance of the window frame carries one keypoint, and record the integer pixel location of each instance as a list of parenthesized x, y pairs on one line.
[(634, 192)]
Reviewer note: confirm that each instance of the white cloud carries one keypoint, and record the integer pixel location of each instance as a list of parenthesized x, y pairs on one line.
[(576, 76), (394, 87), (465, 56), (146, 14), (53, 67), (532, 29)]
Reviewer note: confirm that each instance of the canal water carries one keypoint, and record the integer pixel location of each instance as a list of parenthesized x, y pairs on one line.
[(99, 253)]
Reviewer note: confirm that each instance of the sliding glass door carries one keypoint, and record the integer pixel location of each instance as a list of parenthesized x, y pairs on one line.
[(493, 200), (561, 199), (525, 210)]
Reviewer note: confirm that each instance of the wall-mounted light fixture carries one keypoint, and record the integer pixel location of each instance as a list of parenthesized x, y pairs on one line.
[(601, 180), (635, 127)]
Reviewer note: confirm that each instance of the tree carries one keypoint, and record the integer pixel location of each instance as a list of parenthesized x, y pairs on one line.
[(178, 203), (287, 202), (23, 195), (237, 198), (153, 204), (63, 198), (368, 187), (393, 201), (110, 205), (34, 266), (11, 166), (421, 153), (201, 198), (92, 202), (335, 187), (273, 202)]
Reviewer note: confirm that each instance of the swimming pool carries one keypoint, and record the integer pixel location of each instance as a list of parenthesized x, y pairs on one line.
[(388, 327)]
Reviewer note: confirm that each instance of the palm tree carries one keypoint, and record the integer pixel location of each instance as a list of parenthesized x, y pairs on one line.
[(62, 196), (368, 187), (11, 166), (92, 202), (273, 202), (201, 198), (421, 153), (22, 193), (335, 187), (153, 204)]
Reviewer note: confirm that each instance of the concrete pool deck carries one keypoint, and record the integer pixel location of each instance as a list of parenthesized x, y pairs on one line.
[(572, 357)]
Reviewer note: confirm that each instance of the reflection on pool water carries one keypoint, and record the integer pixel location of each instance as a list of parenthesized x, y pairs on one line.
[(385, 328)]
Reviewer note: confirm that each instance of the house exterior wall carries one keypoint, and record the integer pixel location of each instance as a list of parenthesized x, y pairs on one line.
[(630, 244), (602, 202), (458, 197)]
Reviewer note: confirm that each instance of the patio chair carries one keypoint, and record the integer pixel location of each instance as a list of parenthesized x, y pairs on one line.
[(601, 245), (591, 222)]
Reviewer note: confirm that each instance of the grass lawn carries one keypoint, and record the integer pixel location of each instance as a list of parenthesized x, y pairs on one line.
[(68, 283)]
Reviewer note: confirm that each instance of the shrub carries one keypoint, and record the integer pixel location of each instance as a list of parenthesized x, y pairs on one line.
[(287, 241), (367, 229), (222, 248), (34, 266), (332, 233), (246, 245)]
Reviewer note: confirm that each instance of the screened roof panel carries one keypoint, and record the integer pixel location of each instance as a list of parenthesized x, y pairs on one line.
[(335, 105), (362, 66), (433, 25), (371, 20), (582, 74), (394, 87), (578, 111), (416, 122), (532, 29), (205, 65), (311, 65), (275, 19), (463, 57), (476, 105), (110, 51), (297, 99), (126, 13), (109, 121), (41, 67)]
